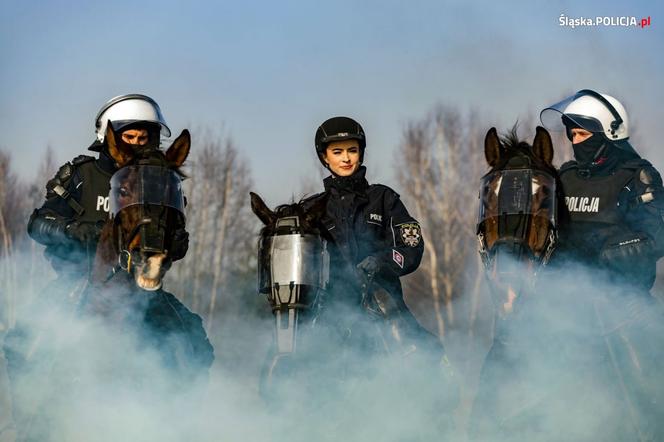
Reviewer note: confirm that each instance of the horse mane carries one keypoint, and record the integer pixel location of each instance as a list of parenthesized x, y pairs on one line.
[(511, 140), (298, 209), (159, 156)]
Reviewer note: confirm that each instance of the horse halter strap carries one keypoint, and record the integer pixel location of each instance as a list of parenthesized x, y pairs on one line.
[(122, 247)]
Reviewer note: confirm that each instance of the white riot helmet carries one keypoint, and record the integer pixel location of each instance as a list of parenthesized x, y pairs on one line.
[(127, 109), (592, 111)]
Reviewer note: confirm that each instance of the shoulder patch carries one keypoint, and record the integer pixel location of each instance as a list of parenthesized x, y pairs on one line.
[(411, 234), (397, 258)]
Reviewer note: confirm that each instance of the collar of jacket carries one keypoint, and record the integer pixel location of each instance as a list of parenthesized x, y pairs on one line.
[(607, 164), (106, 163), (356, 182)]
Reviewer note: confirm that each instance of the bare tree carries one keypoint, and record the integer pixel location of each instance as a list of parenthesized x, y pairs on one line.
[(220, 224), (440, 162)]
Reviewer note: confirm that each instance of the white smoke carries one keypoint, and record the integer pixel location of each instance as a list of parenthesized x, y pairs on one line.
[(577, 361), (568, 371)]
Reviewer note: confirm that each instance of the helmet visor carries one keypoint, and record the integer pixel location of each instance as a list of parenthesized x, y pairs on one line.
[(555, 119), (518, 192), (145, 185)]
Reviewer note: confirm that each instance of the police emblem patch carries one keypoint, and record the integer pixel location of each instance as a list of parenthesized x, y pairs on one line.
[(411, 235), (398, 258)]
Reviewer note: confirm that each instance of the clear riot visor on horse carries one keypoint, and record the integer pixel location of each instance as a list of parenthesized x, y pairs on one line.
[(145, 185), (517, 192), (555, 119)]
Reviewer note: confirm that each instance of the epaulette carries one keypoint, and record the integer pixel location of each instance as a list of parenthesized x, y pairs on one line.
[(384, 188), (308, 201), (82, 159), (569, 165), (636, 163), (64, 173)]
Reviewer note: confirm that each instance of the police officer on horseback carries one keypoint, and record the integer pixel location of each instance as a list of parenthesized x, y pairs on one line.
[(615, 201), (614, 197), (375, 239), (76, 207)]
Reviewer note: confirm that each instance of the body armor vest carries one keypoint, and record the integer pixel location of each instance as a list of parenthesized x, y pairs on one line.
[(94, 192), (595, 199), (596, 209)]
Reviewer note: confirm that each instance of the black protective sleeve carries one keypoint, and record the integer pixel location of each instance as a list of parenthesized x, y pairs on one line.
[(645, 211), (47, 224)]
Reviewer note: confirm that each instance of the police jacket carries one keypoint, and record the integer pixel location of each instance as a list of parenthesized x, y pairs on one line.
[(77, 195), (369, 220), (615, 217)]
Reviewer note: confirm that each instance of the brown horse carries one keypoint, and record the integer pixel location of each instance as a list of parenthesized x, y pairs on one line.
[(337, 344), (518, 218), (133, 255), (555, 371), (127, 332), (122, 241), (521, 205), (293, 264)]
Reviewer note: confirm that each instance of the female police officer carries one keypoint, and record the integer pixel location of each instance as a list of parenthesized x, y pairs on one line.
[(376, 240)]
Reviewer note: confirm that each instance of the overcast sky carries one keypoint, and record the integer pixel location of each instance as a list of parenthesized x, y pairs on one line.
[(268, 73)]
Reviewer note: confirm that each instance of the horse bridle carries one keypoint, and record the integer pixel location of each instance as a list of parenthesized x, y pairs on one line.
[(515, 236), (122, 247)]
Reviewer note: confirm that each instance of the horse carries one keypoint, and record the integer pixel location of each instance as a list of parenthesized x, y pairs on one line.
[(553, 371), (520, 200), (331, 349), (132, 256), (293, 271), (127, 335)]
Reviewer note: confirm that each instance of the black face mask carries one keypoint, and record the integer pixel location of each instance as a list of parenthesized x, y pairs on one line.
[(588, 151)]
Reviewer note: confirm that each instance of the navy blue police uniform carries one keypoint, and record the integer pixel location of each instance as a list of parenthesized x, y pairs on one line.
[(369, 221)]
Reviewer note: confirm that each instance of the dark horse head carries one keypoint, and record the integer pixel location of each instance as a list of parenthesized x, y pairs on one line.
[(293, 271), (293, 263), (517, 224), (147, 205)]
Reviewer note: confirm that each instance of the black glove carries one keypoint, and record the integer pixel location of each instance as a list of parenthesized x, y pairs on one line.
[(84, 232), (622, 252), (368, 268), (47, 229), (179, 244)]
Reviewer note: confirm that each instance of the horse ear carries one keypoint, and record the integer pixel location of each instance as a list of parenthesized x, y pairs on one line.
[(261, 210), (542, 146), (492, 147), (317, 210), (179, 150), (120, 152)]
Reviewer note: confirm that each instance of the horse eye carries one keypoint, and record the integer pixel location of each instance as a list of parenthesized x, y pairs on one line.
[(123, 192)]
